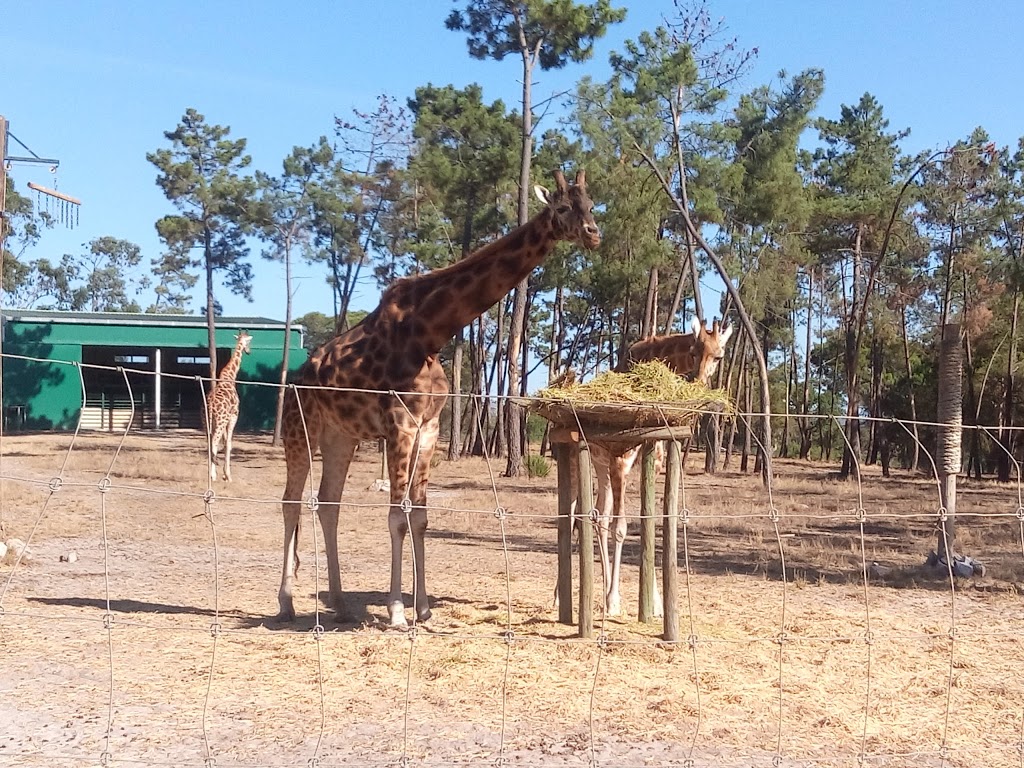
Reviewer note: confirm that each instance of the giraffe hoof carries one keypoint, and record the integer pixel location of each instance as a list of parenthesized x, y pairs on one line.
[(424, 615), (396, 612), (285, 615)]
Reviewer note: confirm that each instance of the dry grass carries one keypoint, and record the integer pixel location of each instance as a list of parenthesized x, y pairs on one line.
[(647, 382), (649, 394), (904, 692)]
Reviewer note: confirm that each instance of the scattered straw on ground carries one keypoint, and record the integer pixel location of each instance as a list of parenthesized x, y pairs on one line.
[(781, 660)]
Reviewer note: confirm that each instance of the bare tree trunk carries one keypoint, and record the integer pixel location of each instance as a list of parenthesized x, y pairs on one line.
[(555, 341), (877, 366), (789, 357), (455, 433), (748, 407), (557, 337), (832, 407), (498, 441), (698, 301), (948, 449), (805, 422), (677, 297), (211, 309), (523, 382), (649, 326), (478, 416), (1006, 412), (851, 446), (974, 454), (514, 414), (735, 366), (915, 454), (279, 411)]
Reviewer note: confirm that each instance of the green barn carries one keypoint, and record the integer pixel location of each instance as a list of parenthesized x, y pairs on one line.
[(59, 367)]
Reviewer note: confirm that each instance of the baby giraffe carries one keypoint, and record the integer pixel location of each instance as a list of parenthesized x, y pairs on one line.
[(222, 407)]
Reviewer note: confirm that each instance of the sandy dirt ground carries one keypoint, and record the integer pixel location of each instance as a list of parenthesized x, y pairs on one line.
[(160, 648)]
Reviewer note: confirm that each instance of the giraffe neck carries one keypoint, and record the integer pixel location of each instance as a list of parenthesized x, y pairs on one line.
[(230, 370), (446, 300)]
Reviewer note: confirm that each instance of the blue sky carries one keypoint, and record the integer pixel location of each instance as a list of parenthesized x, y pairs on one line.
[(96, 84)]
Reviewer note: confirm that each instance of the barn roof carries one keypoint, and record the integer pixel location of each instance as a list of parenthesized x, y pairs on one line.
[(139, 318)]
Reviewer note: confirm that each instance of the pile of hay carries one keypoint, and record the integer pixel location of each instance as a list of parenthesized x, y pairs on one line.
[(649, 395)]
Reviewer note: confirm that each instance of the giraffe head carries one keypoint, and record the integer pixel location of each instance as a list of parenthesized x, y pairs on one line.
[(244, 341), (572, 210), (708, 348)]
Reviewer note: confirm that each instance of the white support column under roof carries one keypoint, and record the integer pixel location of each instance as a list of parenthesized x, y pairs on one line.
[(157, 388)]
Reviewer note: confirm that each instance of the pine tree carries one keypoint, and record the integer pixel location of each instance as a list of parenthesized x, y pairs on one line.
[(201, 175), (548, 34)]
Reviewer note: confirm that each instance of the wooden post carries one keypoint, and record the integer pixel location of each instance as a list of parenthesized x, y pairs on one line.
[(712, 440), (563, 455), (3, 235), (950, 414), (647, 530), (669, 536), (584, 506)]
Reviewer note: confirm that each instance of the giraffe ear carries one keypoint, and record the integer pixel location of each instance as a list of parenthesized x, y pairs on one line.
[(726, 333), (542, 194), (695, 326)]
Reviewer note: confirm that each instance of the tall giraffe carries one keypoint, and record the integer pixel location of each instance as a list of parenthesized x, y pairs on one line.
[(694, 355), (222, 407), (382, 378)]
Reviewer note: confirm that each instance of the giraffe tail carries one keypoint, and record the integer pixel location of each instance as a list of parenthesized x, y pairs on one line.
[(295, 544)]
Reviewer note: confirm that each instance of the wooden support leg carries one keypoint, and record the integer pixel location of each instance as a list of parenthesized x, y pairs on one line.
[(669, 536), (584, 507), (647, 532), (566, 493)]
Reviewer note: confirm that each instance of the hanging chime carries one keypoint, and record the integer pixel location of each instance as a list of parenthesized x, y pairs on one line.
[(63, 208)]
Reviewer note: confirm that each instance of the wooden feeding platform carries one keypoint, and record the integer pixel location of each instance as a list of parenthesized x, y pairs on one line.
[(624, 425)]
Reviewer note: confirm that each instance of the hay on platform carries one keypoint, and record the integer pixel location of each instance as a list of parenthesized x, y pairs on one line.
[(650, 394)]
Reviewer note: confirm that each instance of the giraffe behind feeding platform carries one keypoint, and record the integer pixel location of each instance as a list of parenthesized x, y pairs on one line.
[(693, 355)]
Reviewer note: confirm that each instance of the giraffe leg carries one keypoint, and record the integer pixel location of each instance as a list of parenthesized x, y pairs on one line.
[(603, 467), (228, 434), (214, 448), (620, 467), (292, 510), (337, 452), (298, 453), (403, 453), (421, 474)]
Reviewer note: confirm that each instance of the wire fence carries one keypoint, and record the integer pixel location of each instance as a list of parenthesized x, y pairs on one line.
[(771, 670)]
